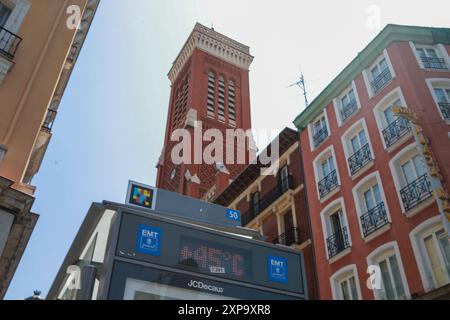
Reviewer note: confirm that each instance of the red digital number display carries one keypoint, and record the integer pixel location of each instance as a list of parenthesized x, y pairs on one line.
[(214, 258)]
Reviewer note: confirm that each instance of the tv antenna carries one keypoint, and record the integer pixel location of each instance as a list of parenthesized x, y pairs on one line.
[(301, 84)]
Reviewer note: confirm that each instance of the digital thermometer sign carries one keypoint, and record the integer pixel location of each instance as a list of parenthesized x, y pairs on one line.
[(214, 258)]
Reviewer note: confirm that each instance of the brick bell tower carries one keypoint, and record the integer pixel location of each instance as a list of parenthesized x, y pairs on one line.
[(210, 84)]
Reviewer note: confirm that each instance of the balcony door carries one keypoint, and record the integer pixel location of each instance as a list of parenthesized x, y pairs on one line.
[(284, 179), (336, 224), (372, 197), (437, 248), (255, 203), (392, 283), (320, 125), (288, 221), (5, 12), (388, 113), (379, 69), (443, 95), (358, 141), (413, 169), (327, 167)]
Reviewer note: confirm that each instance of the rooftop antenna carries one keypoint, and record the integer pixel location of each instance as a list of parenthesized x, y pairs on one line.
[(301, 84)]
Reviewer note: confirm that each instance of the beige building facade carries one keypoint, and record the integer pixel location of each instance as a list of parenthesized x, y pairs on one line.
[(39, 46)]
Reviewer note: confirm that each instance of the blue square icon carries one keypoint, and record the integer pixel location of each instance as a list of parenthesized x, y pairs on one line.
[(149, 240), (234, 215), (278, 269)]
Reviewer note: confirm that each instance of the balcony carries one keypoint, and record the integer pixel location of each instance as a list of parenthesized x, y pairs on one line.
[(360, 159), (374, 219), (9, 43), (445, 110), (337, 243), (49, 120), (416, 192), (348, 110), (268, 199), (434, 63), (320, 136), (328, 184), (381, 80), (395, 131), (288, 238)]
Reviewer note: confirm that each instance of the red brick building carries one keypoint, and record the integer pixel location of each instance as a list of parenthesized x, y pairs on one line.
[(275, 204), (369, 195), (210, 84)]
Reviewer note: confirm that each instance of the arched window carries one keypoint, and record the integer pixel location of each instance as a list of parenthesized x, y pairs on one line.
[(232, 103), (211, 94), (221, 100)]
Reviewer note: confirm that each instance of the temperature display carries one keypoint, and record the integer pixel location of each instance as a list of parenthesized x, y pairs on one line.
[(214, 258)]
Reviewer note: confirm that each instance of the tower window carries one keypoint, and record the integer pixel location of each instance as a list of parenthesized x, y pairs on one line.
[(211, 94), (221, 100), (232, 104)]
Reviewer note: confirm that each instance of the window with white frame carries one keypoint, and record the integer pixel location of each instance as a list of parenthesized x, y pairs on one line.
[(345, 285), (5, 12), (432, 251), (328, 176), (319, 131), (284, 179), (326, 173), (380, 75), (443, 101), (411, 178), (335, 229), (371, 205), (437, 249), (393, 129), (372, 197), (392, 287), (430, 58), (347, 104), (347, 288), (357, 148)]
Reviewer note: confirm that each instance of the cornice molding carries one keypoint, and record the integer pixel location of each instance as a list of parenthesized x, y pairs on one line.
[(214, 43)]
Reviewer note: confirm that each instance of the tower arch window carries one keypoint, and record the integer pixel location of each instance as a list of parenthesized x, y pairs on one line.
[(232, 103), (211, 110), (221, 99)]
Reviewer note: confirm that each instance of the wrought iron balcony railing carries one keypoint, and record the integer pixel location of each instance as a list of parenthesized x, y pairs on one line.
[(434, 63), (374, 219), (360, 159), (268, 199), (349, 109), (416, 192), (9, 43), (328, 184), (381, 80), (49, 120), (320, 136), (445, 110), (338, 242), (289, 237), (395, 131)]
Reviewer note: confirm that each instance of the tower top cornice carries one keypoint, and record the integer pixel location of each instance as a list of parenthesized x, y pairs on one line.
[(214, 43)]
